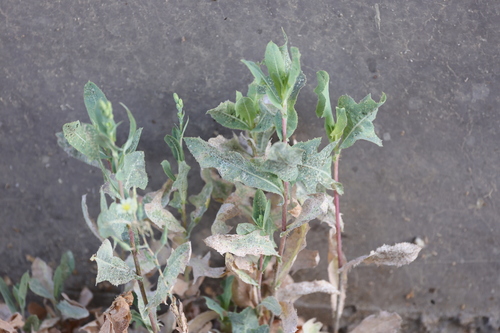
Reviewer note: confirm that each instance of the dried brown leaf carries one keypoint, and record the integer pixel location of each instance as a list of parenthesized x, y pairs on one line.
[(118, 316), (289, 318), (85, 296), (16, 320), (48, 323), (384, 322), (6, 327), (294, 291), (197, 324), (295, 243), (306, 259)]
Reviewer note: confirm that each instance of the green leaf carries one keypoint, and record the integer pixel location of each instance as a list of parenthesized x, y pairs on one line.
[(41, 279), (324, 106), (272, 304), (133, 171), (201, 201), (91, 96), (21, 291), (265, 121), (133, 134), (112, 224), (271, 90), (295, 70), (246, 322), (227, 294), (259, 207), (7, 296), (83, 137), (315, 167), (181, 181), (360, 118), (168, 169), (213, 305), (111, 268), (72, 311), (245, 228), (175, 147), (63, 271), (340, 126), (242, 245), (232, 166), (72, 152), (226, 115), (176, 264), (160, 216), (32, 324), (245, 109), (275, 66), (282, 160)]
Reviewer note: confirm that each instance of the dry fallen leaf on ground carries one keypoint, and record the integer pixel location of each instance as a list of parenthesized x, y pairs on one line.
[(117, 317), (384, 322)]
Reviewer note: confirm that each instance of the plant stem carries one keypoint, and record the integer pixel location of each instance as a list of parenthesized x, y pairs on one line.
[(281, 248), (141, 284), (336, 200)]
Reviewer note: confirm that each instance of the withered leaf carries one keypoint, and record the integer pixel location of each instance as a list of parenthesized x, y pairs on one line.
[(396, 255), (294, 291), (117, 317), (384, 322), (241, 245), (201, 267)]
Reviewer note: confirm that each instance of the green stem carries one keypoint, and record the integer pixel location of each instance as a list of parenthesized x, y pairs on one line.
[(336, 200)]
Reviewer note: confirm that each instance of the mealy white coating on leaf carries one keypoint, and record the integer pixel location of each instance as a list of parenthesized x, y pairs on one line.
[(316, 205), (242, 245), (133, 172), (396, 255), (289, 317), (161, 216), (176, 264), (111, 268), (294, 291)]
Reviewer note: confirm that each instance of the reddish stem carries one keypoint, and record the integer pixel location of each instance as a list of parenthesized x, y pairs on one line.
[(336, 201)]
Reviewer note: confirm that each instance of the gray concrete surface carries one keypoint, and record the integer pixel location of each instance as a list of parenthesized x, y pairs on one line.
[(436, 176)]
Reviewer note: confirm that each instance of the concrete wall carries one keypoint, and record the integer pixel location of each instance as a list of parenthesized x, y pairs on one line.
[(436, 176)]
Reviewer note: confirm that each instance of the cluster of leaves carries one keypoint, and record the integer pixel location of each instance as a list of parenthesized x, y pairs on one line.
[(267, 188), (48, 284)]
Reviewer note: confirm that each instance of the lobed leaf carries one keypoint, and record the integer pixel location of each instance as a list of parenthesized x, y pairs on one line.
[(232, 166), (360, 118), (161, 216), (315, 167), (111, 268), (226, 115), (201, 268), (283, 160)]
